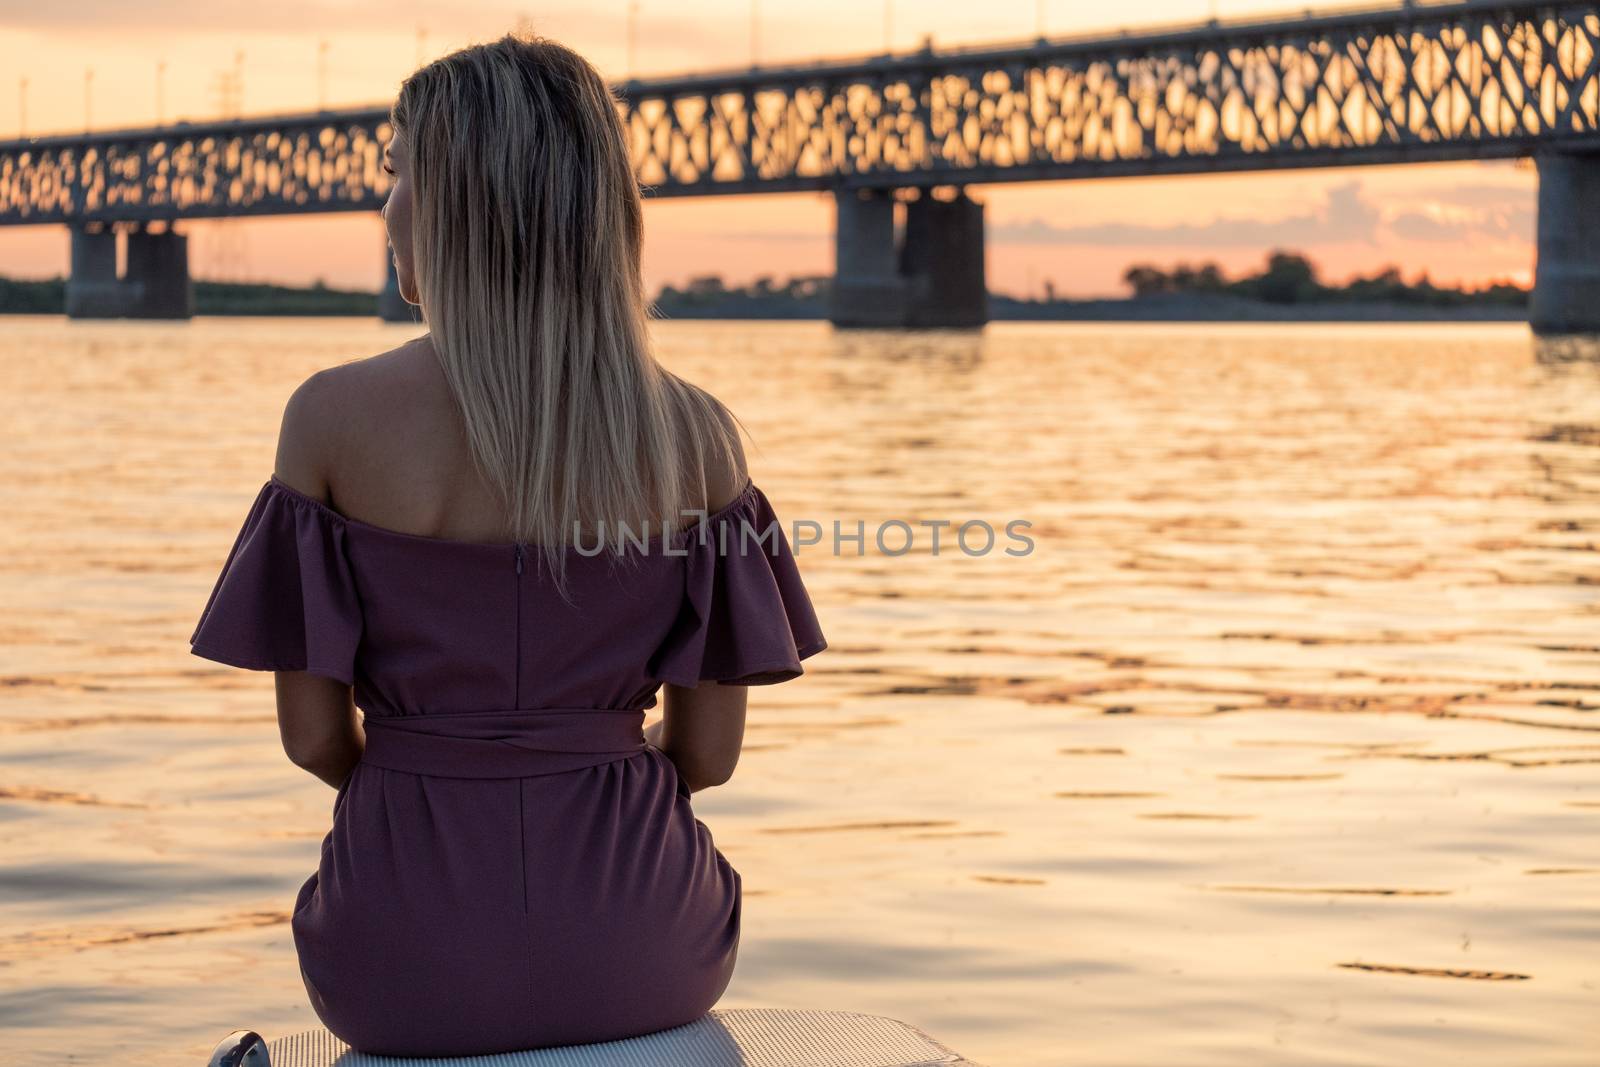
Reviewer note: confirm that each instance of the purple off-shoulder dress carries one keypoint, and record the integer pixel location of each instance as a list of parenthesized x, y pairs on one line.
[(510, 865)]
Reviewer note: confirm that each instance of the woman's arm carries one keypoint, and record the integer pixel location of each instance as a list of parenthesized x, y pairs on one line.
[(318, 723), (317, 716), (701, 731)]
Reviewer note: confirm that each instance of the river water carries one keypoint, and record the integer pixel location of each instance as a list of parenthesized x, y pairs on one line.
[(1279, 747)]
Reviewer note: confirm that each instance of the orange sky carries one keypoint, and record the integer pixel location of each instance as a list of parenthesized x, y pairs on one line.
[(1459, 222)]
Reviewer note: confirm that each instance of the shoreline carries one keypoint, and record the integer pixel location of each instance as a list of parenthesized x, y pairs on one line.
[(247, 299)]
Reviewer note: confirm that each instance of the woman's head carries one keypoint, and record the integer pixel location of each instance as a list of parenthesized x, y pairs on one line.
[(517, 225), (512, 162), (397, 216)]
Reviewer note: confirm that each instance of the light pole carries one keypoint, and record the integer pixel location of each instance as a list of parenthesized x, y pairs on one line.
[(161, 94), (322, 75), (633, 32), (88, 85)]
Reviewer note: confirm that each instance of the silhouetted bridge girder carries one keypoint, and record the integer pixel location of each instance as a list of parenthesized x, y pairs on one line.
[(1402, 84)]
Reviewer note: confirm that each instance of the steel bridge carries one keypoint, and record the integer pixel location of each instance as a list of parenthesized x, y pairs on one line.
[(1473, 79)]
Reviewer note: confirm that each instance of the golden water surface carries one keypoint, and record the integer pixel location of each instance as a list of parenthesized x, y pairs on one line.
[(1280, 747)]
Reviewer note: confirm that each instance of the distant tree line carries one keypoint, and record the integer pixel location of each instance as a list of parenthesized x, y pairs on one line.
[(1288, 279), (707, 295), (1291, 278), (251, 298), (47, 296)]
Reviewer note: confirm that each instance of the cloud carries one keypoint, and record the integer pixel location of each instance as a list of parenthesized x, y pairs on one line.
[(1483, 195), (1470, 212), (1416, 226), (1345, 215), (1515, 226), (165, 16), (684, 36), (774, 235)]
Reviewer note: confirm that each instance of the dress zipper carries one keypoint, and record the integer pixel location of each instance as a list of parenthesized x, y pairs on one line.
[(516, 701)]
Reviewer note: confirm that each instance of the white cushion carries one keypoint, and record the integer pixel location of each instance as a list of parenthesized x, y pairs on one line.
[(738, 1037)]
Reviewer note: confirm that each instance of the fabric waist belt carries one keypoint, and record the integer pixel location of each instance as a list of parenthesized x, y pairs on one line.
[(511, 743)]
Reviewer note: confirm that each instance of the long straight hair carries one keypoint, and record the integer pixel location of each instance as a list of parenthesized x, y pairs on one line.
[(527, 229)]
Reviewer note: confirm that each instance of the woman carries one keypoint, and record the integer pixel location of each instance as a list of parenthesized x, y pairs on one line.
[(514, 861)]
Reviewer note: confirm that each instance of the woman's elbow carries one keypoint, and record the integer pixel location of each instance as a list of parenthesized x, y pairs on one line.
[(321, 755), (699, 778), (312, 758)]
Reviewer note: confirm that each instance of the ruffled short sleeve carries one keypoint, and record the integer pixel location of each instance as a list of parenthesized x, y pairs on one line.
[(746, 617), (286, 599)]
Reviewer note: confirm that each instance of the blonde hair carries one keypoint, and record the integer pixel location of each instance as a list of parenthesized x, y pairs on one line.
[(527, 229)]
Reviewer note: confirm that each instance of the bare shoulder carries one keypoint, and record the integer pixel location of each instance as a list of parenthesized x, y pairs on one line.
[(332, 407), (399, 369), (722, 451)]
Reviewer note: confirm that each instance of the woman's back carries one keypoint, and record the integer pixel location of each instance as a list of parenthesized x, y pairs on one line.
[(514, 861), (511, 865), (385, 438)]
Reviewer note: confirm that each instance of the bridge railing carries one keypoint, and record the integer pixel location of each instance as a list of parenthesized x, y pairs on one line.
[(1472, 79), (1464, 80)]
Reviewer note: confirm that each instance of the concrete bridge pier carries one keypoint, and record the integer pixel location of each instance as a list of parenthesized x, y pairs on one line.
[(158, 274), (942, 257), (154, 283), (868, 289), (92, 287), (930, 276), (392, 307), (1566, 278)]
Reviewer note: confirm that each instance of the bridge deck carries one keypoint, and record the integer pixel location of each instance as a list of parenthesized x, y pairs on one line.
[(1473, 79)]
